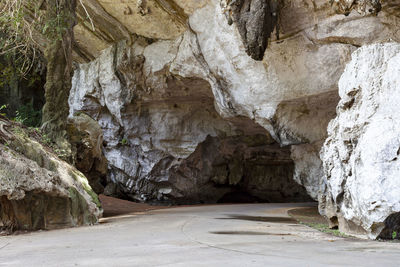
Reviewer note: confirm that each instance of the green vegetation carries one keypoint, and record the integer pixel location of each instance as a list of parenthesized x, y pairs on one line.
[(79, 177), (28, 116), (25, 114), (325, 229), (21, 20), (18, 21), (124, 141), (394, 234), (26, 26), (2, 108)]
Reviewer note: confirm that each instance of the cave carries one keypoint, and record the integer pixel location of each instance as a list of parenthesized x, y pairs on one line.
[(197, 102), (22, 95), (165, 142)]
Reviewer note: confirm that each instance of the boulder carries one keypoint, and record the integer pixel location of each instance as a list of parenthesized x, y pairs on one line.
[(360, 156), (37, 189)]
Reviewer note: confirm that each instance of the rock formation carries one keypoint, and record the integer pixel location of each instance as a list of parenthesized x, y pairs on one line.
[(362, 6), (199, 100), (361, 153), (184, 73), (255, 20), (86, 138), (164, 140), (37, 189), (193, 106)]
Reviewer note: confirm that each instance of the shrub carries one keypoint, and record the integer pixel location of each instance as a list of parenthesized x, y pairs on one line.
[(27, 115)]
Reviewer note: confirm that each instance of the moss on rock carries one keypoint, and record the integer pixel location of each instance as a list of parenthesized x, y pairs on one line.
[(38, 190)]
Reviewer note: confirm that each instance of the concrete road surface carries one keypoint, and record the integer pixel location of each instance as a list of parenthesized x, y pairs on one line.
[(225, 235)]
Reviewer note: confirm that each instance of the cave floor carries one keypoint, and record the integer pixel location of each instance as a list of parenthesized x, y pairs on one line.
[(220, 235)]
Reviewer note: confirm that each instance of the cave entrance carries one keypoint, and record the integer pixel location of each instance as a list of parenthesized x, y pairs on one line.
[(254, 169), (22, 95), (168, 145)]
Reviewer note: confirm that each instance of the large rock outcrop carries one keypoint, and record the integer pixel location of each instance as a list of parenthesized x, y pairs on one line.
[(164, 140), (299, 69), (361, 154), (184, 84), (186, 72), (37, 189)]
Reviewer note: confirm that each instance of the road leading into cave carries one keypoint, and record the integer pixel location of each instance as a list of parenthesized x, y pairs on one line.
[(223, 235)]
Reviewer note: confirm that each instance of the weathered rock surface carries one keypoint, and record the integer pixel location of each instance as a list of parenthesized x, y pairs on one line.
[(255, 20), (37, 189), (361, 154), (161, 93), (308, 167), (86, 138), (362, 6), (302, 67), (163, 139)]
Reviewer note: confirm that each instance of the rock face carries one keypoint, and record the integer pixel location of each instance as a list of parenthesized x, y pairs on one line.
[(255, 20), (37, 189), (361, 154), (308, 167), (184, 84), (86, 138), (164, 140), (362, 6)]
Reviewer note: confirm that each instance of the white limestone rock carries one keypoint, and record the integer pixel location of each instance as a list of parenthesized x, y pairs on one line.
[(163, 137), (361, 154), (308, 167)]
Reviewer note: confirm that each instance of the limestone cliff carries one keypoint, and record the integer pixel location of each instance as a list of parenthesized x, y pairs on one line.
[(198, 99)]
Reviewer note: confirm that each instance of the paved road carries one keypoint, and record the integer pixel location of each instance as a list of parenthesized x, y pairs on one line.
[(228, 235)]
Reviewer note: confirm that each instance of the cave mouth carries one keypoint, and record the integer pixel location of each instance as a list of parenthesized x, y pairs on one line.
[(239, 196), (171, 145), (392, 228), (194, 156), (257, 173), (221, 170), (229, 169), (22, 96)]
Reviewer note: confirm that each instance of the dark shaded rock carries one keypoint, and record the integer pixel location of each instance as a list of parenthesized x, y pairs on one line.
[(18, 91), (392, 227), (86, 138), (239, 197), (237, 168), (255, 20), (44, 211)]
